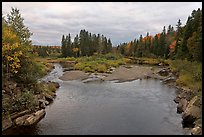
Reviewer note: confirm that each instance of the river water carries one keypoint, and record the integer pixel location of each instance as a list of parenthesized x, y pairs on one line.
[(139, 107)]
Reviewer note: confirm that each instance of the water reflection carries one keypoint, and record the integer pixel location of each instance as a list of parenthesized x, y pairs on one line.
[(141, 107)]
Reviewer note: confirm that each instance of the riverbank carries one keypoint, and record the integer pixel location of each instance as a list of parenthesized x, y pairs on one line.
[(189, 104), (24, 105)]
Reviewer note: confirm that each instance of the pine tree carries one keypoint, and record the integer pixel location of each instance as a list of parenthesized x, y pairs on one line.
[(63, 49), (109, 46), (69, 46), (76, 49), (162, 43)]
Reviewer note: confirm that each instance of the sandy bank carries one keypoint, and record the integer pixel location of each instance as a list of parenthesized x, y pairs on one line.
[(74, 75), (127, 74), (121, 74)]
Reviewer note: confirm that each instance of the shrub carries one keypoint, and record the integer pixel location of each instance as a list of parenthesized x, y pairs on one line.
[(79, 66), (102, 68), (190, 73), (99, 63), (88, 69)]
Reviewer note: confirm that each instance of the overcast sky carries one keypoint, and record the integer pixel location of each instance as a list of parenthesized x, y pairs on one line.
[(119, 21)]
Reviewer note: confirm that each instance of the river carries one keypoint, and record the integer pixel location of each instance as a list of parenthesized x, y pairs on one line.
[(139, 107)]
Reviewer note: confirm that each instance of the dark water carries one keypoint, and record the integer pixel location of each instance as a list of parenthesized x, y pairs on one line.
[(140, 107)]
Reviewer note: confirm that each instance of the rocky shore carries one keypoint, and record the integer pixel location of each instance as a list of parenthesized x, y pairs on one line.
[(27, 117)]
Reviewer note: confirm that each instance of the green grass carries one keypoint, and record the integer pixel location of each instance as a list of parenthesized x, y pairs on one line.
[(190, 73), (145, 60), (99, 63)]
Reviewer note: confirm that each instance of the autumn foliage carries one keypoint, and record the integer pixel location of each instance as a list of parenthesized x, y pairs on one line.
[(11, 51)]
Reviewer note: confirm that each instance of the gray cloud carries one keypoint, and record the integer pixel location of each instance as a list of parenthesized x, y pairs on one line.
[(120, 21)]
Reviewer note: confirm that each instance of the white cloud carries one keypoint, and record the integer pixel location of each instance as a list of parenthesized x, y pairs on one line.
[(120, 21)]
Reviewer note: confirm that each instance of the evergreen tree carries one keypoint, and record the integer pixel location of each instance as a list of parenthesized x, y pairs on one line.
[(63, 49), (76, 49), (162, 43), (68, 46), (109, 46)]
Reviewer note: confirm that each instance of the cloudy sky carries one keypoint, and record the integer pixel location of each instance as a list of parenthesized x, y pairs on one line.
[(119, 21)]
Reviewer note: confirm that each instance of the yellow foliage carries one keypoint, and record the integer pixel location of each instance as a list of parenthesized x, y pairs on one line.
[(10, 50), (75, 50)]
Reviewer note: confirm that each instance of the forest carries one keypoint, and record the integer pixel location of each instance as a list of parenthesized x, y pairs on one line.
[(182, 42)]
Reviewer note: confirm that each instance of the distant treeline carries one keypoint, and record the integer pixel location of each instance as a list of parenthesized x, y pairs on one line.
[(184, 42), (44, 51), (85, 44)]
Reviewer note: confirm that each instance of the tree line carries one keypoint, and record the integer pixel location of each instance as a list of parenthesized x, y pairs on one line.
[(45, 51), (184, 42), (85, 44)]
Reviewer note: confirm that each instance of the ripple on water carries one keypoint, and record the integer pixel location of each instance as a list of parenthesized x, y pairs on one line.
[(137, 107)]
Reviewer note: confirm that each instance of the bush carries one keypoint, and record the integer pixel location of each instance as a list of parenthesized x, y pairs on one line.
[(88, 69), (27, 100), (79, 66), (30, 72), (101, 68), (190, 73), (99, 63), (111, 56)]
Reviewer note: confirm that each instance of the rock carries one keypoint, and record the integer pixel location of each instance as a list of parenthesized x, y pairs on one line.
[(55, 84), (93, 80), (192, 112), (169, 80), (21, 120), (177, 99), (48, 97), (147, 77), (189, 95), (163, 72), (198, 122), (112, 69), (42, 105), (15, 115), (6, 123), (198, 102), (160, 64), (196, 131), (40, 96), (181, 107), (108, 72), (30, 119), (44, 101)]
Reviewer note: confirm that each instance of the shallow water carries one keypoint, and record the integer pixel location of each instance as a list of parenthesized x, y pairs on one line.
[(139, 107)]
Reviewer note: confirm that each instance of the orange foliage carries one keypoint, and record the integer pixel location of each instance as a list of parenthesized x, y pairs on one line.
[(172, 45), (147, 38), (158, 35)]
